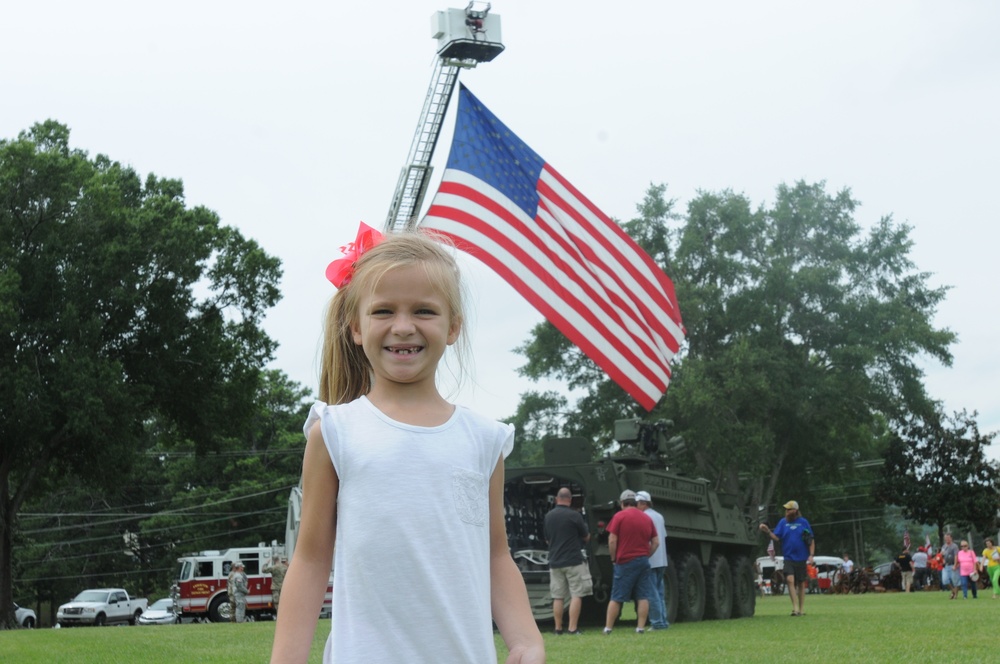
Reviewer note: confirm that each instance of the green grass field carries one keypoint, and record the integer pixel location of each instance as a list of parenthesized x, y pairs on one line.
[(890, 627)]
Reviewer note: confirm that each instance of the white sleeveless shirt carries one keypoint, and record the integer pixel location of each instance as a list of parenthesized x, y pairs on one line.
[(411, 564)]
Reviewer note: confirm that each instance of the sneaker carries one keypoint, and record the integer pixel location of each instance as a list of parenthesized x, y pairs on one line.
[(640, 630), (575, 631), (607, 630), (558, 632), (658, 628)]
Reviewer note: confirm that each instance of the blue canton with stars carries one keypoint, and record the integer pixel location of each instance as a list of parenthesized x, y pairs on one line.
[(486, 148)]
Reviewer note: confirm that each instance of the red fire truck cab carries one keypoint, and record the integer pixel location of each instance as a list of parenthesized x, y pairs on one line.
[(199, 589)]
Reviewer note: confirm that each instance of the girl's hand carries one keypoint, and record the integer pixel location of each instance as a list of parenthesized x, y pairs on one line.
[(527, 655)]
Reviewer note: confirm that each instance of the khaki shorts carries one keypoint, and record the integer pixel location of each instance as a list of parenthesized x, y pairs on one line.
[(567, 582)]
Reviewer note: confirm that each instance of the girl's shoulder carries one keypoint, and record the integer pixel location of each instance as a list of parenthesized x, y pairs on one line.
[(479, 419), (500, 432), (320, 409)]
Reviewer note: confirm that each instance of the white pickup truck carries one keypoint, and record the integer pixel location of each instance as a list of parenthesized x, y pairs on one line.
[(103, 606)]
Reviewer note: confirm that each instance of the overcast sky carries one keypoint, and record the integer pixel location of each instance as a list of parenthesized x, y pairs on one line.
[(292, 120)]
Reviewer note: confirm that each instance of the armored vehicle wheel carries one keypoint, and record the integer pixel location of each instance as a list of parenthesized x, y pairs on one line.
[(744, 588), (691, 589), (718, 589), (671, 592)]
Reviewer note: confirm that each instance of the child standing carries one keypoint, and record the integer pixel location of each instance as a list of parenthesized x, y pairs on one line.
[(408, 486)]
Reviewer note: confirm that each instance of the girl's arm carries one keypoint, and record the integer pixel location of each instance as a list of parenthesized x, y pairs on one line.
[(308, 575), (509, 599)]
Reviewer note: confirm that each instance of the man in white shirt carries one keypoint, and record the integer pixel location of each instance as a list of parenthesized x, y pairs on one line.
[(657, 563)]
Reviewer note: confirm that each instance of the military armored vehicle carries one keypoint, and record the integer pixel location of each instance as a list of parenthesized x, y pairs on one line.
[(711, 544)]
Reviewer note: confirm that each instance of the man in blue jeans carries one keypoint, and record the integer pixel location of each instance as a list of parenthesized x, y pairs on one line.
[(632, 539), (950, 578), (657, 562)]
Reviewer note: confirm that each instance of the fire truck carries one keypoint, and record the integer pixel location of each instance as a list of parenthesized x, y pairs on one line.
[(199, 589)]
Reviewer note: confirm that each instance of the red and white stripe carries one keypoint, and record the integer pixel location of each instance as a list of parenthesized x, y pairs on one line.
[(577, 267)]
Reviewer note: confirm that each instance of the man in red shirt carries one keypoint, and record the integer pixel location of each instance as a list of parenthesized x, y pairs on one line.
[(631, 541)]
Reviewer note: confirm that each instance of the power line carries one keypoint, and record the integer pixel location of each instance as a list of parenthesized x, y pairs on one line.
[(131, 515), (140, 549), (150, 531)]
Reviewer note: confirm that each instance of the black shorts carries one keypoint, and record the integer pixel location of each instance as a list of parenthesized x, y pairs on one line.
[(796, 568)]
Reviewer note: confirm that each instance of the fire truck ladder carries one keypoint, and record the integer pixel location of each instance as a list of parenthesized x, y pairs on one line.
[(465, 37), (416, 175)]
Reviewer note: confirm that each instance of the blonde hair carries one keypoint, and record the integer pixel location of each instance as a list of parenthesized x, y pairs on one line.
[(346, 372)]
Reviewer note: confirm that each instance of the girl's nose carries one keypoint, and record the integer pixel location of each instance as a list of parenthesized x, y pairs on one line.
[(402, 325)]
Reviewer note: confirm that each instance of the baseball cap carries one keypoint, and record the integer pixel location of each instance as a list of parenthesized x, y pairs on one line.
[(643, 496), (791, 505), (627, 494)]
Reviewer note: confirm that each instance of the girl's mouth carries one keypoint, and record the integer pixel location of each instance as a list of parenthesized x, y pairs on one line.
[(409, 350)]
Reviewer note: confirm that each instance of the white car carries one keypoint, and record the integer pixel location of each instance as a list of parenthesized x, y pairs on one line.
[(25, 617), (161, 612)]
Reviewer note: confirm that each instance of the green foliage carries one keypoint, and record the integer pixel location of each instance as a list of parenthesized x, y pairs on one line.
[(176, 499), (936, 470), (122, 309)]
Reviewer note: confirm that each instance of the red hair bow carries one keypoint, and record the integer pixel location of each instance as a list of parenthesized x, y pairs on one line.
[(340, 271)]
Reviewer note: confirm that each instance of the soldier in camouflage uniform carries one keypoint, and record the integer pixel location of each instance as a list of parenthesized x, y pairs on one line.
[(239, 587), (230, 587), (277, 570)]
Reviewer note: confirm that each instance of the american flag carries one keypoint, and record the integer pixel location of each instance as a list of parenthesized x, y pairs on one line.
[(770, 548), (906, 539), (502, 203)]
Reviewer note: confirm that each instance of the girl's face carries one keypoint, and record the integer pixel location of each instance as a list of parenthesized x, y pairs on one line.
[(404, 327)]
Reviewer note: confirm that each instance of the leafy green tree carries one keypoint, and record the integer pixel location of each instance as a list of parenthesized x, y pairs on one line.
[(174, 500), (803, 333), (936, 470), (121, 307)]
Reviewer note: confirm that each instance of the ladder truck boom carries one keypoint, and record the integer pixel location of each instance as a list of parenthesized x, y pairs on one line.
[(465, 37)]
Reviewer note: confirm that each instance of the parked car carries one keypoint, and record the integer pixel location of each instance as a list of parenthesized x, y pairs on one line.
[(160, 612), (25, 617), (103, 606)]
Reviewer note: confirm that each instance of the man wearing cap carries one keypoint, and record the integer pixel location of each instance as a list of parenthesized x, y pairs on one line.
[(632, 540), (657, 562), (277, 569), (797, 547), (238, 587), (569, 574)]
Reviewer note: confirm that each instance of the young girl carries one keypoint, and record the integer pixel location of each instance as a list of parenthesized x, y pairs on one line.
[(408, 486)]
